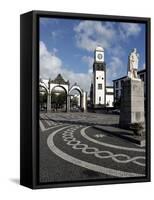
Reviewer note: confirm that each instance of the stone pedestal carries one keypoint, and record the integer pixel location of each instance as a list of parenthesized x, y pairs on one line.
[(132, 102)]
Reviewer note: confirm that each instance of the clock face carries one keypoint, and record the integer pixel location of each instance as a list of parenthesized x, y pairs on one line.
[(99, 56)]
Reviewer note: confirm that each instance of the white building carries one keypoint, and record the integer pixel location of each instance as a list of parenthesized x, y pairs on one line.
[(109, 96), (101, 95), (118, 82)]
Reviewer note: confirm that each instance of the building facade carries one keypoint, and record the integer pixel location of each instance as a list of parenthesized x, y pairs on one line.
[(109, 96), (118, 82)]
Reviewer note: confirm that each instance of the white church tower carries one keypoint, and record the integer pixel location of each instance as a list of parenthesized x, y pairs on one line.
[(99, 78)]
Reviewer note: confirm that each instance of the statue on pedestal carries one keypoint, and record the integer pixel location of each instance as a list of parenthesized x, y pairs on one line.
[(133, 59), (132, 96)]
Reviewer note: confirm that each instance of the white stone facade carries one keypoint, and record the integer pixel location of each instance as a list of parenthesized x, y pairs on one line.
[(102, 96), (99, 88), (109, 96)]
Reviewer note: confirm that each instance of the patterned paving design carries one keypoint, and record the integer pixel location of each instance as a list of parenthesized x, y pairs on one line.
[(94, 151), (76, 144)]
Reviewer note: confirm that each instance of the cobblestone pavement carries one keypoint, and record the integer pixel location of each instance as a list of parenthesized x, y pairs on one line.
[(95, 118), (73, 152)]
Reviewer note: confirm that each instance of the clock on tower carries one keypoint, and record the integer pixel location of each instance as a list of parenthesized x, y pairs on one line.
[(99, 54)]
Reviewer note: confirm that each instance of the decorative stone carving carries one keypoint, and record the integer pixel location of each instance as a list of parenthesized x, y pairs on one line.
[(59, 80)]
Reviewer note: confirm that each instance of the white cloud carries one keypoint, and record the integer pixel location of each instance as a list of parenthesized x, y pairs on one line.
[(114, 69), (129, 29), (90, 34), (82, 79), (51, 65), (117, 51), (88, 60)]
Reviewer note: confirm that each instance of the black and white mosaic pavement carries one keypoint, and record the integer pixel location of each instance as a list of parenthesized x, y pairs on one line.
[(71, 152)]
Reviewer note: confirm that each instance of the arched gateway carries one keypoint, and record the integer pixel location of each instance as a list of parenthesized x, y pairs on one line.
[(62, 85)]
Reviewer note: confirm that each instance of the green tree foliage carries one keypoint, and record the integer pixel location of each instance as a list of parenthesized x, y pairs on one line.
[(58, 99), (43, 97)]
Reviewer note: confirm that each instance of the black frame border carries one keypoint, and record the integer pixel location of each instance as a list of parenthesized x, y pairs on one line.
[(29, 44)]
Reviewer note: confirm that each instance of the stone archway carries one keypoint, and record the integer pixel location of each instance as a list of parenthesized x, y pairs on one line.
[(49, 85), (59, 82), (83, 96), (75, 87), (43, 94), (60, 93)]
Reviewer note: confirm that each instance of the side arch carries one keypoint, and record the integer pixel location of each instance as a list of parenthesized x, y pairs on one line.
[(43, 85), (43, 96), (76, 87), (83, 96)]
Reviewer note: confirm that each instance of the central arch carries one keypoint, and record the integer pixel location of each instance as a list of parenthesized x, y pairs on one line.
[(58, 98)]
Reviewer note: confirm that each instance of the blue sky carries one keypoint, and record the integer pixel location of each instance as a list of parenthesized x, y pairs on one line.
[(67, 47)]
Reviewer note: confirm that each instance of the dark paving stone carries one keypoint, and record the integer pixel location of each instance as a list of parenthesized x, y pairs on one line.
[(55, 169), (122, 133)]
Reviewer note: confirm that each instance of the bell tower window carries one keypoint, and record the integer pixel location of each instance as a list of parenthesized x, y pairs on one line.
[(99, 86)]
